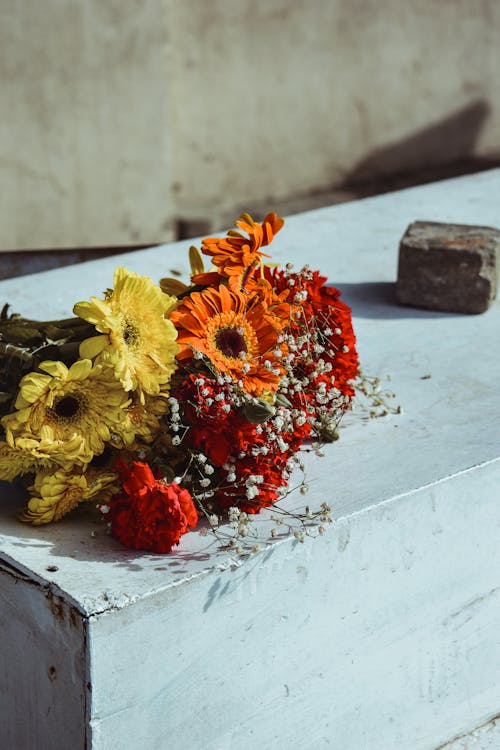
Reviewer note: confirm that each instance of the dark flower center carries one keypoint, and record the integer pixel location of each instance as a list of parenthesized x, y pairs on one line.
[(130, 334), (67, 407), (231, 342)]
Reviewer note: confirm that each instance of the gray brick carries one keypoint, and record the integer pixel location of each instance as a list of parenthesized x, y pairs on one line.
[(449, 267)]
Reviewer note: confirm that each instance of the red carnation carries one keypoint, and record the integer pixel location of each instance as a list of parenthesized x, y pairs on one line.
[(322, 311), (150, 514), (270, 469)]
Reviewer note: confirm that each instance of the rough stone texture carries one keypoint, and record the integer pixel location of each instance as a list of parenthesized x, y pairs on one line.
[(449, 267)]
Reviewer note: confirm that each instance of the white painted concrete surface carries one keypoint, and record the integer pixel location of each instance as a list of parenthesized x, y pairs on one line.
[(384, 634), (486, 737)]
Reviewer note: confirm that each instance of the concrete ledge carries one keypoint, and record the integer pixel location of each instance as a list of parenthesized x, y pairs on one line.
[(383, 634), (486, 737)]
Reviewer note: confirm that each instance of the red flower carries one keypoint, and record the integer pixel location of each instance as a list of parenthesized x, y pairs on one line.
[(150, 514), (272, 474), (325, 316), (222, 433), (210, 424)]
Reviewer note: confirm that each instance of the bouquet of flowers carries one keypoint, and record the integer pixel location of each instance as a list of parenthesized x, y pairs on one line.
[(170, 403)]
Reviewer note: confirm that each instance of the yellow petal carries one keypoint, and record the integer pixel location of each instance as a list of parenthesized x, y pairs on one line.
[(92, 311), (93, 346), (121, 273), (31, 388), (80, 369), (47, 433), (55, 369)]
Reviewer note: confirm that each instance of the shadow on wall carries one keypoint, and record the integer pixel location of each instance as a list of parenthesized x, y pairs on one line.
[(451, 141), (439, 151)]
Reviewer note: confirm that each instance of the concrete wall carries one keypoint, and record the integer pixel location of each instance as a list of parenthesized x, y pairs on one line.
[(290, 96), (84, 132), (121, 116)]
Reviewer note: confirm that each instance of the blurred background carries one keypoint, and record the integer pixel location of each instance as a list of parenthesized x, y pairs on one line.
[(127, 123)]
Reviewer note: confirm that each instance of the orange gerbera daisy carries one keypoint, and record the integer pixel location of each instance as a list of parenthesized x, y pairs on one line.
[(238, 257), (238, 333)]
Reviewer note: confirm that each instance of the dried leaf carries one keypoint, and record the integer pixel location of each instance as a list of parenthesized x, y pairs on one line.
[(173, 287), (195, 261)]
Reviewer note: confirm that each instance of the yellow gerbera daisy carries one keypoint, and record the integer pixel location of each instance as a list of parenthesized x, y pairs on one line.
[(136, 338), (144, 418), (47, 452), (78, 409), (14, 462), (28, 454), (55, 494)]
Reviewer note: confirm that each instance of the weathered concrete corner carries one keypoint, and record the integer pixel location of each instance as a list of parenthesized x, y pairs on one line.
[(380, 634), (448, 267)]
